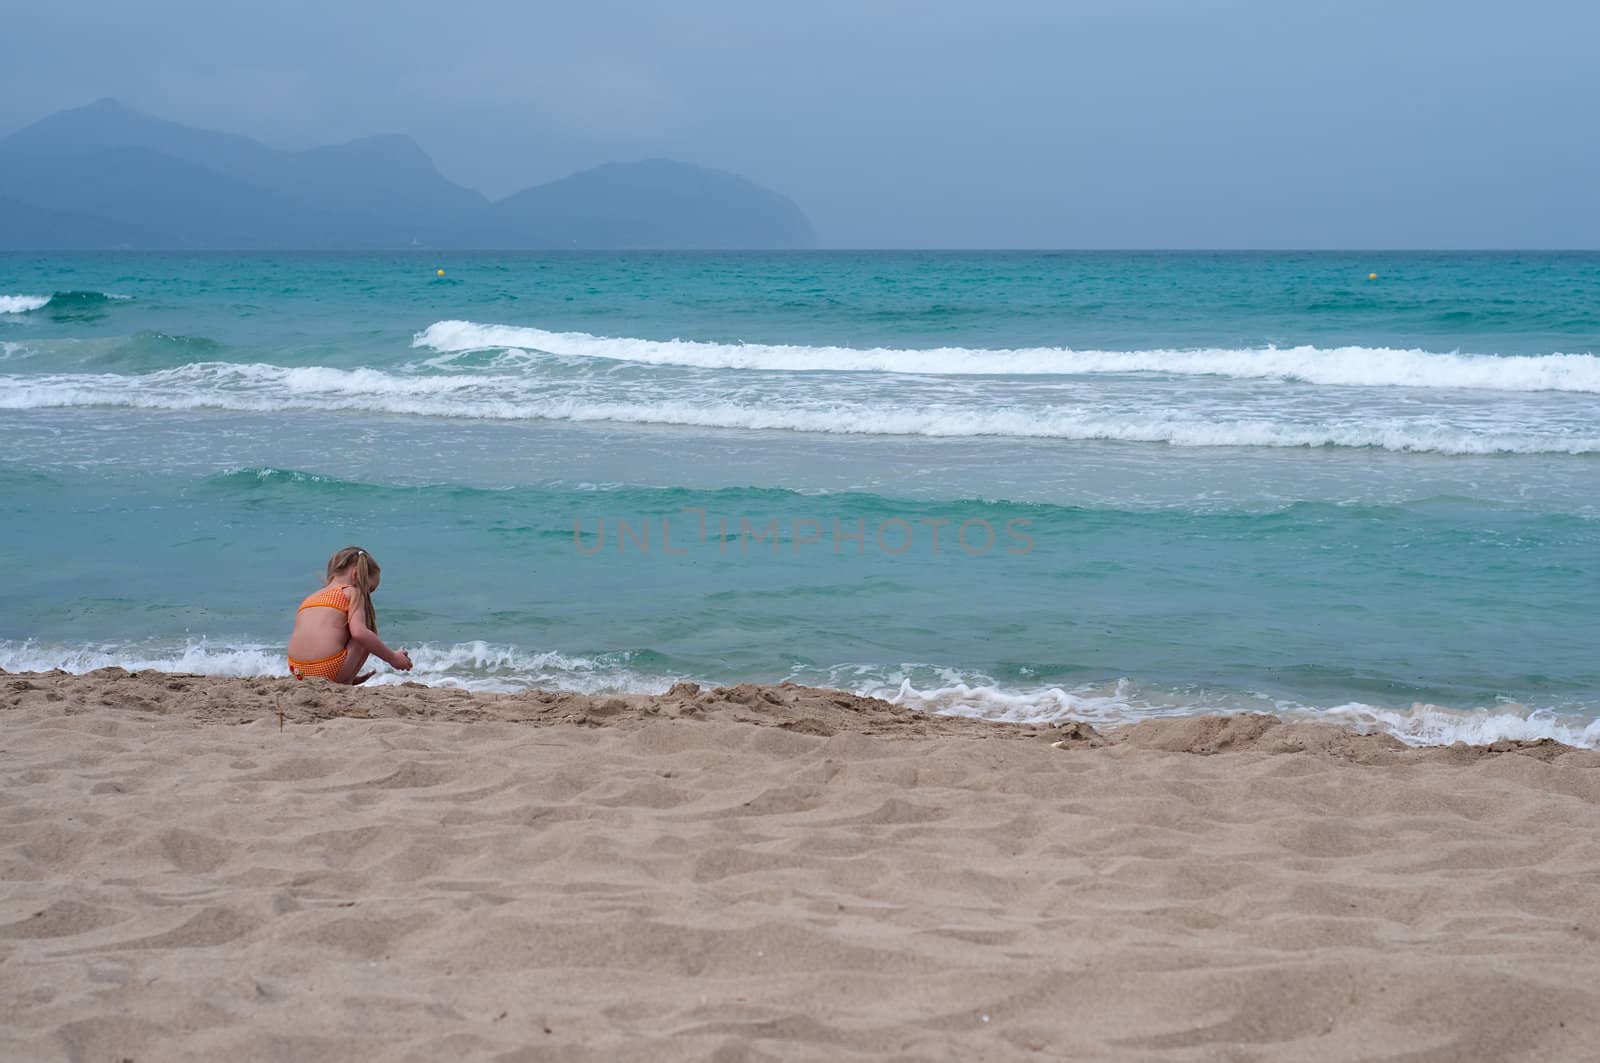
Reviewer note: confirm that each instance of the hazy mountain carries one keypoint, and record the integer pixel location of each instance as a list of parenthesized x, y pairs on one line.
[(107, 124), (655, 204), (24, 226), (173, 203), (150, 183)]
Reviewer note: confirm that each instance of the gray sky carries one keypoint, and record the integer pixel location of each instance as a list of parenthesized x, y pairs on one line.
[(1007, 123)]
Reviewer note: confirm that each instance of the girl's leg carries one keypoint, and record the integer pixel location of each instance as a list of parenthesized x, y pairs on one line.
[(354, 658)]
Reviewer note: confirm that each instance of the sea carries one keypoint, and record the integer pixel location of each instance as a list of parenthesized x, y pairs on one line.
[(1031, 487)]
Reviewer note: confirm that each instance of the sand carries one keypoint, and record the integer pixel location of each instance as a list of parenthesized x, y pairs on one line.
[(764, 873)]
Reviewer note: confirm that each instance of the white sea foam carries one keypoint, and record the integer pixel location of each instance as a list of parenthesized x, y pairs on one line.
[(1123, 702), (201, 656), (268, 388), (1348, 366), (491, 667), (1438, 725), (21, 304)]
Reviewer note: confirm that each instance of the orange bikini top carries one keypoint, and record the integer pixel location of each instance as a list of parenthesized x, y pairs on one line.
[(334, 597)]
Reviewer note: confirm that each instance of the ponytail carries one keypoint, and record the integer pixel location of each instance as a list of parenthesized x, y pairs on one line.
[(365, 570)]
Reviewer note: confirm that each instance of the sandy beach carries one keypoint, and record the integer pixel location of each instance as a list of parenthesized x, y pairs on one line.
[(202, 868)]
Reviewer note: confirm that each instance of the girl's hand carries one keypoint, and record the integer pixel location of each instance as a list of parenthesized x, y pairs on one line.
[(362, 678), (403, 661)]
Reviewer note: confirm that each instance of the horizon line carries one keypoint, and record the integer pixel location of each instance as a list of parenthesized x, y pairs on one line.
[(803, 251)]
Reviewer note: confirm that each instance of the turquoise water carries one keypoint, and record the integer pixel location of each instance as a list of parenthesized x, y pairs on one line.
[(1160, 483)]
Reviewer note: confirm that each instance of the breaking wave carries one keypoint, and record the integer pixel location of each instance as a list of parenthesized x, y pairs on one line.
[(1343, 366), (22, 304)]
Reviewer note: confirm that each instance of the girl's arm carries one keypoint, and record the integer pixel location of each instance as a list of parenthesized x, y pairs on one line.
[(368, 639)]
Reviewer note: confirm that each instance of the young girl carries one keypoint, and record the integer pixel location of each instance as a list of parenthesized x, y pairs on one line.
[(336, 628)]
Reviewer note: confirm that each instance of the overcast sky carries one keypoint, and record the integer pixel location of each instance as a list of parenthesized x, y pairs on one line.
[(1006, 123)]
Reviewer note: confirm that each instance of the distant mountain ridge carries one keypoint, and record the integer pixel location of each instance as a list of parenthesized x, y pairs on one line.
[(106, 176)]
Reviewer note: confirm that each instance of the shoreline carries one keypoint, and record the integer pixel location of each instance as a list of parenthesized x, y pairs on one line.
[(788, 706), (763, 873)]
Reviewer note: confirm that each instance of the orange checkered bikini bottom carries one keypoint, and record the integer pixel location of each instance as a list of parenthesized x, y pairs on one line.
[(327, 667)]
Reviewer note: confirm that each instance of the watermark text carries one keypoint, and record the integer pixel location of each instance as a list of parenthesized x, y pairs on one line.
[(693, 527)]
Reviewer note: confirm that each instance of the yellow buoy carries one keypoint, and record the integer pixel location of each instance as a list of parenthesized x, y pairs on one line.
[(440, 273), (1370, 276)]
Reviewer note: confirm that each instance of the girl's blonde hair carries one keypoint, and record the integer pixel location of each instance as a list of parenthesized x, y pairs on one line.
[(366, 571)]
